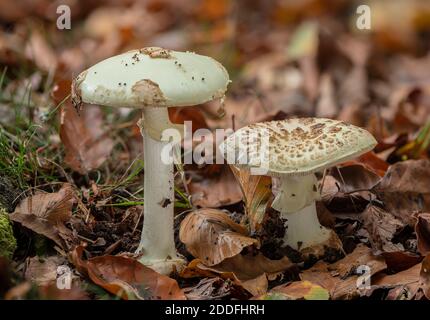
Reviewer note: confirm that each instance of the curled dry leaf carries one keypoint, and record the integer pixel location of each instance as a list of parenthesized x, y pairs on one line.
[(216, 288), (46, 213), (355, 177), (256, 191), (422, 229), (216, 191), (382, 227), (248, 271), (298, 290), (211, 236), (408, 284), (86, 144), (340, 278), (126, 277), (405, 189), (43, 271)]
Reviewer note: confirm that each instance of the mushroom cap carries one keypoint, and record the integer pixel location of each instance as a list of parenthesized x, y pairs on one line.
[(297, 146), (151, 77)]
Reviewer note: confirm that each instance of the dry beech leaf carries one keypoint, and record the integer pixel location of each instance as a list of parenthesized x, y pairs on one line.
[(382, 226), (46, 213), (400, 260), (43, 270), (256, 192), (425, 276), (297, 290), (355, 177), (405, 189), (126, 277), (210, 235), (422, 229), (216, 288), (40, 52), (86, 143), (340, 278), (248, 271), (215, 191), (407, 284)]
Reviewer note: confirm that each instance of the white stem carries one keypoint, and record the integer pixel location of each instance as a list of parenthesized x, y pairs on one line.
[(304, 229), (157, 243), (296, 202)]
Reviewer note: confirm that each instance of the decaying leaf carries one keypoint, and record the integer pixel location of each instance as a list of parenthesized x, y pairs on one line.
[(46, 213), (405, 189), (256, 192), (248, 271), (86, 144), (382, 226), (298, 290), (422, 229), (126, 277), (210, 235), (217, 191), (341, 278)]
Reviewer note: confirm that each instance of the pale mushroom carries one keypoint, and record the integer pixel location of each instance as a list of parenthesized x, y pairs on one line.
[(293, 151), (154, 79)]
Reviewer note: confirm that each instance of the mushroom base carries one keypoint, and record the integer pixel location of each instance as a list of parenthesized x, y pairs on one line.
[(304, 229), (166, 266)]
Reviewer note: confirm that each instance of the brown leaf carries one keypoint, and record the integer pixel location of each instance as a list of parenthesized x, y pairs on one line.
[(400, 260), (405, 189), (217, 191), (86, 144), (302, 290), (43, 271), (382, 226), (40, 52), (340, 278), (216, 288), (248, 271), (256, 192), (126, 277), (425, 276), (46, 213), (354, 177), (211, 236), (402, 285), (422, 229)]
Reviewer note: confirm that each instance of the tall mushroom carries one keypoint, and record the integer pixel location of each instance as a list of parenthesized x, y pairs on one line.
[(154, 79), (293, 151)]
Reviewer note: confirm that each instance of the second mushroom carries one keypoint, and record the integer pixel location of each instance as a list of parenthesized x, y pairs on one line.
[(292, 151)]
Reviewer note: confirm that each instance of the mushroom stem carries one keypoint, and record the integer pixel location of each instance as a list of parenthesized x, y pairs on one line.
[(296, 202), (157, 242)]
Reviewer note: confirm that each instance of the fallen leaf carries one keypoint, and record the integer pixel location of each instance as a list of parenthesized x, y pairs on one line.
[(422, 229), (46, 213), (256, 192), (86, 143), (340, 278), (210, 235), (216, 191), (43, 271), (248, 271), (216, 288), (127, 277), (425, 276), (382, 227), (354, 178), (302, 290), (400, 260), (405, 189)]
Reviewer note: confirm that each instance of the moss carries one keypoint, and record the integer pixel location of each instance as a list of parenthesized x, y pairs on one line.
[(7, 240)]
